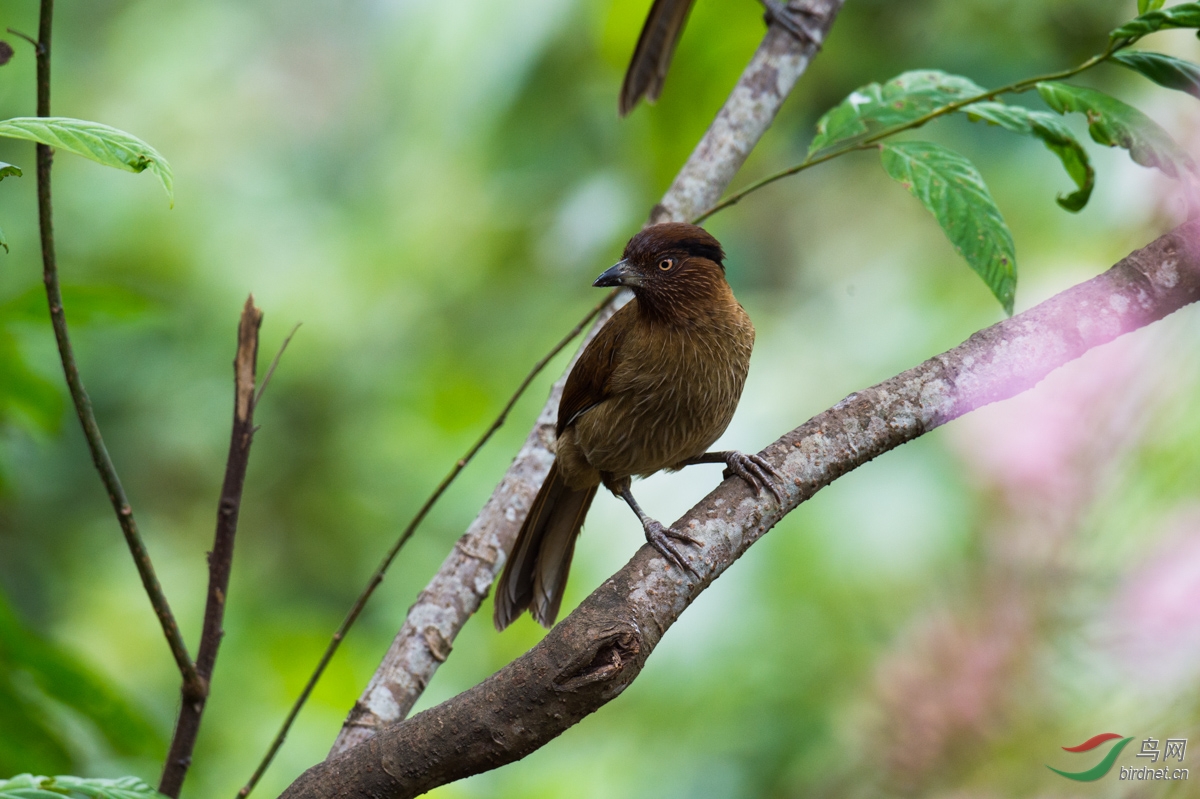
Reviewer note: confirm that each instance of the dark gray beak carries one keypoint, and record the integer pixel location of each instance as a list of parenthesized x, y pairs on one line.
[(620, 274)]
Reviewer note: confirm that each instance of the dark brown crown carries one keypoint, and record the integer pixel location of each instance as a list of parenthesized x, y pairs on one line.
[(673, 238)]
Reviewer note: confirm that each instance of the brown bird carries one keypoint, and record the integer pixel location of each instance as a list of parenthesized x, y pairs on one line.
[(661, 32), (653, 390)]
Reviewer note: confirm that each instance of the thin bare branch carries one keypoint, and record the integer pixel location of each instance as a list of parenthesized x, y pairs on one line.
[(220, 559), (36, 44), (193, 685), (274, 363), (597, 651)]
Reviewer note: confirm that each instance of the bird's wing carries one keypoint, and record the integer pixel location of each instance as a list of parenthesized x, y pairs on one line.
[(588, 384), (652, 56)]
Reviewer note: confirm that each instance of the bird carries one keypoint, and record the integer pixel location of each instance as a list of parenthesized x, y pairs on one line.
[(654, 389), (660, 33)]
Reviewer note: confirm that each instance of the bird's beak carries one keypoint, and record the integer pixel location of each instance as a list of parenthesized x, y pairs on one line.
[(620, 274)]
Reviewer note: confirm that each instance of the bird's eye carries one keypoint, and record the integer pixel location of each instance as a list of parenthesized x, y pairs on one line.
[(666, 264)]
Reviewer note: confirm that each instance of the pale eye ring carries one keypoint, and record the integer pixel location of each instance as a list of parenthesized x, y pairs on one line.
[(666, 264)]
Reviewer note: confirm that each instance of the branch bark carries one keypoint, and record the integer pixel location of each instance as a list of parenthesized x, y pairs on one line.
[(466, 576), (597, 651), (220, 559)]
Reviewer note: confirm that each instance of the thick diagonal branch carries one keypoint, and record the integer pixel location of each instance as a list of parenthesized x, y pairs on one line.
[(457, 590), (597, 651)]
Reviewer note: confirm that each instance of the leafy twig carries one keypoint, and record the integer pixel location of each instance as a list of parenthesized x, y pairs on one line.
[(220, 560), (866, 143), (410, 528), (193, 685)]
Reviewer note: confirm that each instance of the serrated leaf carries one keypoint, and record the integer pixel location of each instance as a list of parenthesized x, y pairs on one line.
[(1116, 124), (1054, 134), (1149, 5), (102, 144), (1184, 15), (902, 99), (952, 189), (1165, 70), (28, 786)]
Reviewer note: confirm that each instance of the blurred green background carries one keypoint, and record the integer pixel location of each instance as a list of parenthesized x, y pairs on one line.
[(430, 188)]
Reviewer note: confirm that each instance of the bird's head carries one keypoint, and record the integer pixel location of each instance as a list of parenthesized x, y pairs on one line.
[(670, 264)]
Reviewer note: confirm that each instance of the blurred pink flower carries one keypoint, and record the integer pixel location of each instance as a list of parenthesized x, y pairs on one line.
[(1042, 446), (1153, 625), (946, 689)]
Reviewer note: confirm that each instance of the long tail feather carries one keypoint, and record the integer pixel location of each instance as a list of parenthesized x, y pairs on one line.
[(652, 56), (536, 572)]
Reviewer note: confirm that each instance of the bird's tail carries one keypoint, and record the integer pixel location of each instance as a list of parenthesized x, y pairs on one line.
[(536, 572), (652, 56)]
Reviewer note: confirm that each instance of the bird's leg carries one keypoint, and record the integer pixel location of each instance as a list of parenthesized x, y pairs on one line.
[(751, 468), (793, 21), (657, 535)]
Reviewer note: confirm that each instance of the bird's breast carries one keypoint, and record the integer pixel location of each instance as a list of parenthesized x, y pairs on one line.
[(672, 395)]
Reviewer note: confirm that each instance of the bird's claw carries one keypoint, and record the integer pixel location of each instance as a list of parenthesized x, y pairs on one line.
[(660, 537), (757, 472), (791, 20)]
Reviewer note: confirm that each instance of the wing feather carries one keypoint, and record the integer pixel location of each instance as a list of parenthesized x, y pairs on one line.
[(588, 384)]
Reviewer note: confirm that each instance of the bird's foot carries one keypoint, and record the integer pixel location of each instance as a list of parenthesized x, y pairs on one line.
[(755, 471), (795, 22), (660, 538)]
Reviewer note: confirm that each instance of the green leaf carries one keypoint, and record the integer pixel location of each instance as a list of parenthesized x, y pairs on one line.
[(954, 192), (904, 98), (1184, 15), (1054, 134), (1165, 70), (100, 143), (1115, 124), (27, 786), (1149, 5)]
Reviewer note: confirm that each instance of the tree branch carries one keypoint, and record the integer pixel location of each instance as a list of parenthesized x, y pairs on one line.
[(466, 576), (220, 559), (597, 651), (193, 685)]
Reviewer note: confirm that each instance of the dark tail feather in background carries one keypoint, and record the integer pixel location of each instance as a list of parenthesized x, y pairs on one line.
[(536, 572), (652, 56)]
